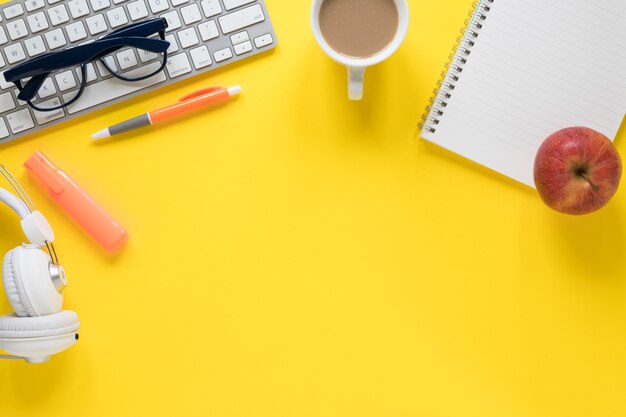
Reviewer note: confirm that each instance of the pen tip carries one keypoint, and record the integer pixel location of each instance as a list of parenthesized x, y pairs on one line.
[(234, 90), (101, 134)]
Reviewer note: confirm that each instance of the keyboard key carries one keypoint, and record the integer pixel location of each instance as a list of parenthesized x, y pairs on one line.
[(96, 24), (173, 44), (239, 37), (158, 6), (178, 65), (191, 14), (13, 11), (211, 7), (3, 36), (232, 4), (37, 22), (146, 70), (6, 102), (55, 38), (241, 19), (111, 63), (104, 72), (90, 72), (78, 8), (17, 29), (103, 91), (127, 59), (188, 37), (65, 80), (243, 48), (137, 10), (145, 56), (117, 17), (264, 40), (223, 55), (76, 31), (173, 20), (179, 2), (4, 132), (54, 1), (20, 121), (14, 53), (98, 5), (32, 5), (20, 103), (208, 30), (201, 57), (35, 46), (4, 84), (58, 15), (47, 89), (118, 1), (44, 117)]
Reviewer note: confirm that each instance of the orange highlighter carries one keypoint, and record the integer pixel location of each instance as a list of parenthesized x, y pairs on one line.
[(77, 203), (189, 103)]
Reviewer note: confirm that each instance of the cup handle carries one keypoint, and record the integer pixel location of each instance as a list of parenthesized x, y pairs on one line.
[(355, 82)]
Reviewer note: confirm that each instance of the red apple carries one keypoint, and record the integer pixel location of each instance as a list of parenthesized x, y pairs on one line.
[(577, 171)]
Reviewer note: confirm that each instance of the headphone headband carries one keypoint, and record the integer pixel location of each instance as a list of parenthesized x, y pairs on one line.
[(14, 203), (34, 224)]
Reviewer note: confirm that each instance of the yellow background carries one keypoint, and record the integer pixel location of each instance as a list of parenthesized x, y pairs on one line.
[(296, 254)]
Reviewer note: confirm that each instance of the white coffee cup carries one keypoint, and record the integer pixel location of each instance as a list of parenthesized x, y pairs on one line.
[(356, 66)]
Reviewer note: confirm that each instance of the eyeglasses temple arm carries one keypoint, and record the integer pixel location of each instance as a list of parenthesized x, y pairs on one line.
[(31, 88)]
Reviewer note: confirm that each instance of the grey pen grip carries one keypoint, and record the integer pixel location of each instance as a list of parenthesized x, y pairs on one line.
[(130, 124)]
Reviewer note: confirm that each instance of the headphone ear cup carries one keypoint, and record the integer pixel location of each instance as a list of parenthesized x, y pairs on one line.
[(37, 338), (14, 327), (10, 286), (28, 283)]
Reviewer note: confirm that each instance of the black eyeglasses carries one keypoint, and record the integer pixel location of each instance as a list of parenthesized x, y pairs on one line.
[(30, 76)]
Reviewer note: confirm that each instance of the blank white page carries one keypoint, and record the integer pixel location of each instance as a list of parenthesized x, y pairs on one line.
[(537, 66)]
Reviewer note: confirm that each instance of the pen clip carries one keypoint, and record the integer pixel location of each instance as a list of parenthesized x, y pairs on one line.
[(200, 93)]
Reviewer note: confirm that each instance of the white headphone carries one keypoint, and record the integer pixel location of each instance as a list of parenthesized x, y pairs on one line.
[(34, 282)]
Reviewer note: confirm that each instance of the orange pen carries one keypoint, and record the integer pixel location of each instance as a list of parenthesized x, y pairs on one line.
[(189, 103)]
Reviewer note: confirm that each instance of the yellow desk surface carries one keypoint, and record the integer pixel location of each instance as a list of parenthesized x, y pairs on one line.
[(296, 254)]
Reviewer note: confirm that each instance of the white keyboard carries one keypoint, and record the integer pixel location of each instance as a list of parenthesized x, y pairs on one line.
[(203, 35)]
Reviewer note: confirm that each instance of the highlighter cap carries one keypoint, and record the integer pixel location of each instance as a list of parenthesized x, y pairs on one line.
[(77, 203), (46, 172)]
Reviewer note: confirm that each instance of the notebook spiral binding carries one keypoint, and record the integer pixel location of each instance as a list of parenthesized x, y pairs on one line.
[(457, 60)]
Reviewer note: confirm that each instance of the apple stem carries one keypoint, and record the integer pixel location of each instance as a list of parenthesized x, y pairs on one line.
[(586, 178)]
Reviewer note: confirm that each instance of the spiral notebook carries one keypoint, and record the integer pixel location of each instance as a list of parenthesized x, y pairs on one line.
[(524, 69)]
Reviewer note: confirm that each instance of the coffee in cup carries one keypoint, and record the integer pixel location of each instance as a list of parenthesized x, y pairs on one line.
[(359, 33), (359, 28)]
